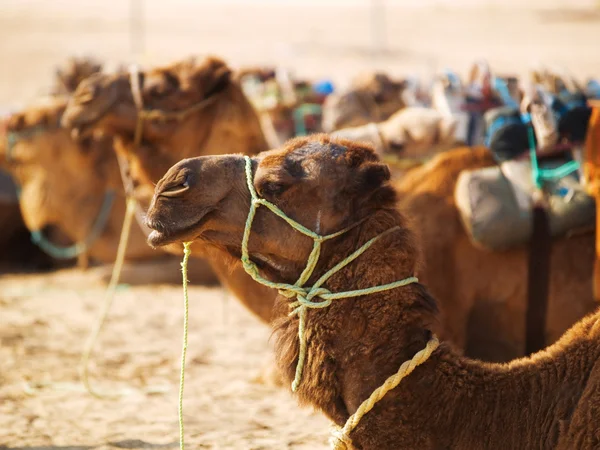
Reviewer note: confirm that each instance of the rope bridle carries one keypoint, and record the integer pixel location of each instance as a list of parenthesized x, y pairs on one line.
[(305, 297), (144, 114)]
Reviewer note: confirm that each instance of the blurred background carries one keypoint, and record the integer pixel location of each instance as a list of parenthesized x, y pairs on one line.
[(231, 402), (313, 38)]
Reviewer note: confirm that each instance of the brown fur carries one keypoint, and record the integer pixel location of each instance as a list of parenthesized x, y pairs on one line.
[(547, 401), (490, 286), (229, 124), (483, 293), (105, 104), (484, 314), (64, 181)]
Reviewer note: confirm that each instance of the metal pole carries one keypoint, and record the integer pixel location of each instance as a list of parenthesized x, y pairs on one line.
[(136, 28), (378, 31)]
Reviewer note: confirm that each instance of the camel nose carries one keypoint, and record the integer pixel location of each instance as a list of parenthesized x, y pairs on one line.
[(177, 185)]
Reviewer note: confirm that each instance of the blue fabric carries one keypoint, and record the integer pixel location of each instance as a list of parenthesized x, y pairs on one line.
[(501, 88), (593, 88), (324, 87), (498, 123)]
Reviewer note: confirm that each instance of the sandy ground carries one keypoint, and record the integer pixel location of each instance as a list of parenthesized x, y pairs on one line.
[(44, 319)]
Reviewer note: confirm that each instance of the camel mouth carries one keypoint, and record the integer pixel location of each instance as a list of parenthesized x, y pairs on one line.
[(162, 235)]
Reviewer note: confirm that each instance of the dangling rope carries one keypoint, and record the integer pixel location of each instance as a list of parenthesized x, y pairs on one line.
[(108, 300), (304, 300), (184, 270)]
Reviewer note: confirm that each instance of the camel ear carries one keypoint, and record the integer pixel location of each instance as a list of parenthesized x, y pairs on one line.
[(16, 122), (213, 77), (536, 77), (372, 176)]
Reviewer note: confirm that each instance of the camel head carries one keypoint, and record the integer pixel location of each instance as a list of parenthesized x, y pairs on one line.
[(189, 108), (323, 184), (61, 181), (71, 73), (418, 133), (371, 98), (108, 101)]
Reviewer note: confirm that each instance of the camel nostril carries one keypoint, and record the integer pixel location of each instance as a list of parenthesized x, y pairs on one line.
[(177, 187)]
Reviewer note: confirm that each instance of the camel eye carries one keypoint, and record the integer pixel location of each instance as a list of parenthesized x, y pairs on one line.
[(272, 188)]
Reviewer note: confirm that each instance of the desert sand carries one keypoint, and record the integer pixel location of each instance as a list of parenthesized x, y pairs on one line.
[(45, 318)]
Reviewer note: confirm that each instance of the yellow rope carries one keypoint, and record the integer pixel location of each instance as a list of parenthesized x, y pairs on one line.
[(304, 300), (305, 295), (340, 439), (108, 300), (184, 270)]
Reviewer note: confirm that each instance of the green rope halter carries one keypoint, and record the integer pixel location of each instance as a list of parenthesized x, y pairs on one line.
[(306, 294), (541, 175), (37, 237), (72, 251)]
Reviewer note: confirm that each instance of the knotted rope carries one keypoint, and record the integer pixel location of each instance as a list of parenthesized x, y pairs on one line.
[(305, 295)]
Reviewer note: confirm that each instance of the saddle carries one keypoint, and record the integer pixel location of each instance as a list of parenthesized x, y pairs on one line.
[(496, 203)]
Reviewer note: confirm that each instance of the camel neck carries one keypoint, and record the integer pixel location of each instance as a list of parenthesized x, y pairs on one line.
[(354, 345), (355, 323)]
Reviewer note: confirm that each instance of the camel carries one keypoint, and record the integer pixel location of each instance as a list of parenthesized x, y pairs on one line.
[(69, 185), (189, 105), (481, 314), (17, 248), (483, 293), (415, 133), (355, 344), (370, 98), (104, 103)]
